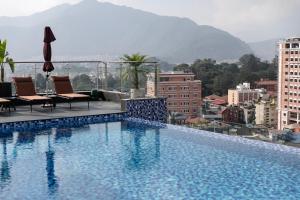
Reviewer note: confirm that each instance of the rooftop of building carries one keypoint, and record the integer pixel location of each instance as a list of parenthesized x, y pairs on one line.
[(174, 73), (266, 82), (292, 39), (217, 100), (62, 110)]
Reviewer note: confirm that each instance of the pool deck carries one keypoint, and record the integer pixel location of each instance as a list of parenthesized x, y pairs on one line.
[(23, 113)]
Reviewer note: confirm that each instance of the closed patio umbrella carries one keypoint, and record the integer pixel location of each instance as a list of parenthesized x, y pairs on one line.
[(47, 52)]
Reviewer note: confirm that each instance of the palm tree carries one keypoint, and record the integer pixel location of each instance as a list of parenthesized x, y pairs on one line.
[(134, 70), (4, 58)]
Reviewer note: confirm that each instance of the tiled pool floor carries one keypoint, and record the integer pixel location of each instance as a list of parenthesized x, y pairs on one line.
[(62, 110)]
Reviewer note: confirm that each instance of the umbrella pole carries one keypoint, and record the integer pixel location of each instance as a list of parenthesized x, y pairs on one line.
[(47, 105), (47, 82)]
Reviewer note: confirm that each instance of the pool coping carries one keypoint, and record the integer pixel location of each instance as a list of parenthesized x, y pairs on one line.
[(75, 121), (231, 138), (58, 122)]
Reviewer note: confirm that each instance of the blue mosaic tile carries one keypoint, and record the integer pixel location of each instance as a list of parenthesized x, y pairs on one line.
[(37, 125), (154, 109)]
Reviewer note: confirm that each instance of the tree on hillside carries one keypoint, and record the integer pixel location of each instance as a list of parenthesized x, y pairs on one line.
[(82, 82), (249, 63), (218, 78), (40, 82), (182, 67)]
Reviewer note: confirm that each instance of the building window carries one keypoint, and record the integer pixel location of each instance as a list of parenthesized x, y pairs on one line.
[(295, 45), (164, 79)]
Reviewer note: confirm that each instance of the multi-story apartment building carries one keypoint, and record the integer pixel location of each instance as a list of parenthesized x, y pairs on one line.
[(289, 83), (266, 113), (242, 94), (182, 91)]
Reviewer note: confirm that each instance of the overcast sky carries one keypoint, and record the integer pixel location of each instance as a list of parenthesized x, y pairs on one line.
[(251, 20)]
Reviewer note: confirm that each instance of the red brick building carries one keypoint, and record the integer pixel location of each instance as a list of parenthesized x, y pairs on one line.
[(233, 114), (183, 92), (269, 85)]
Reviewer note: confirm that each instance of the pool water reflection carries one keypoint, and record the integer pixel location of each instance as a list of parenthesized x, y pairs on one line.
[(129, 160)]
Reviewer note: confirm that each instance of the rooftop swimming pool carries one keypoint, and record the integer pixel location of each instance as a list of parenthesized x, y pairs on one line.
[(131, 159)]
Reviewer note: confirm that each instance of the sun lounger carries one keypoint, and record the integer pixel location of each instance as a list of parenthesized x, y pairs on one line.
[(64, 89), (26, 92)]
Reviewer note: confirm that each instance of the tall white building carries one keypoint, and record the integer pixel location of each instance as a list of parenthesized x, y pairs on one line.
[(289, 83)]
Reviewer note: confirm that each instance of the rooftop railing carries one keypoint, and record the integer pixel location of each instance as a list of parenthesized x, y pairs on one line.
[(86, 75)]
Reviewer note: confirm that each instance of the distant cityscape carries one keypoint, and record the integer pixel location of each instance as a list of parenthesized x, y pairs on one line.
[(264, 109)]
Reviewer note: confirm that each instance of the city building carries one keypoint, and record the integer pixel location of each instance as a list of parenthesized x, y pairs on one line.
[(269, 85), (266, 113), (233, 114), (182, 91), (212, 106), (289, 83), (249, 112), (243, 93), (217, 100)]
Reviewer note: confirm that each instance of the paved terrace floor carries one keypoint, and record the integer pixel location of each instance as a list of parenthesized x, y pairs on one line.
[(23, 113)]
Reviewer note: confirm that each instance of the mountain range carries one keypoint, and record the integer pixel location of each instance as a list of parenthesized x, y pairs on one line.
[(266, 49), (92, 28)]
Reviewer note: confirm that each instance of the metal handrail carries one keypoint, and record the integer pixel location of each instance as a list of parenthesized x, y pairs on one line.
[(84, 61), (105, 63)]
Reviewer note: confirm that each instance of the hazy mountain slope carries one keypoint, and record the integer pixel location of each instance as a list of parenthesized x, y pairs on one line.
[(266, 49), (94, 28)]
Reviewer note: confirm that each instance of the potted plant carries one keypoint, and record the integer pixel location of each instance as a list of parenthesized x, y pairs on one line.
[(5, 87), (133, 72)]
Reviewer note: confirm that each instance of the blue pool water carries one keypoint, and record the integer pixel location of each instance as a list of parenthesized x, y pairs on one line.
[(129, 160)]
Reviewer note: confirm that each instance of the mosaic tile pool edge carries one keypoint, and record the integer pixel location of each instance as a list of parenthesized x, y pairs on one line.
[(36, 125), (152, 109), (238, 139)]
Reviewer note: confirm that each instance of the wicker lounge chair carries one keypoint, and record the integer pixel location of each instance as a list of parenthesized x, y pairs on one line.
[(26, 92), (64, 89)]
